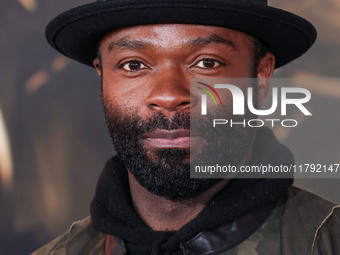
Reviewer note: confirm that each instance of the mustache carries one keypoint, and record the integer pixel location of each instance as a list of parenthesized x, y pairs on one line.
[(132, 127), (161, 121)]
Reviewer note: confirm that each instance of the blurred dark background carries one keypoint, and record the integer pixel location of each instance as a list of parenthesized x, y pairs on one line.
[(53, 140)]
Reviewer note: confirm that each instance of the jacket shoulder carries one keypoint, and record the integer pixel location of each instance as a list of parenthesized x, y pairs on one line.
[(304, 214), (80, 238), (327, 237)]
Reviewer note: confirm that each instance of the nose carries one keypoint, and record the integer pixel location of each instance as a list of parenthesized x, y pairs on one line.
[(170, 91)]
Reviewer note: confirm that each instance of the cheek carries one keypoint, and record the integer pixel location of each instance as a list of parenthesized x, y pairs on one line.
[(245, 68), (124, 96)]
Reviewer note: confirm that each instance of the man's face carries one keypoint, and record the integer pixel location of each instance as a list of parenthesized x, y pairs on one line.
[(146, 72)]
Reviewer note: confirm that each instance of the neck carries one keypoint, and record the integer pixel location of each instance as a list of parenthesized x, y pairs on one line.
[(162, 214)]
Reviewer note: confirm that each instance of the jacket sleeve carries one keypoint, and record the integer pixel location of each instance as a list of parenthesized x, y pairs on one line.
[(54, 247), (80, 238), (327, 236)]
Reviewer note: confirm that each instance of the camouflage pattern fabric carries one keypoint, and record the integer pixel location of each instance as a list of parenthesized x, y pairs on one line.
[(305, 225)]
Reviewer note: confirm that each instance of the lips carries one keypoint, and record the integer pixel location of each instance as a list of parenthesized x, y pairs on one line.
[(168, 134), (161, 138)]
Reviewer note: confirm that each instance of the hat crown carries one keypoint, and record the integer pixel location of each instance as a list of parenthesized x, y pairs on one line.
[(265, 2), (77, 32)]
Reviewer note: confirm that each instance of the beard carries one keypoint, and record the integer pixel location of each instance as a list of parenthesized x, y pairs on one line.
[(166, 172)]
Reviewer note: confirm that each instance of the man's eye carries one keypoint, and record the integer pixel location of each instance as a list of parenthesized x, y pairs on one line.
[(132, 66), (208, 63)]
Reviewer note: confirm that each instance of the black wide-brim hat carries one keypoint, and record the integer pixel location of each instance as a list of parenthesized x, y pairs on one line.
[(76, 33)]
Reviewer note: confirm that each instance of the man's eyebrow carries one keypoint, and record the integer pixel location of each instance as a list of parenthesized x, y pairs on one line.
[(124, 43), (201, 41)]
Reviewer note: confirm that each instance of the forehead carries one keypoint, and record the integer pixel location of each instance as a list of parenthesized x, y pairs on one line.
[(176, 35)]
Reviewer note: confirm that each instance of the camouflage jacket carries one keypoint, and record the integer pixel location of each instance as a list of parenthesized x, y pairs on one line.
[(304, 225)]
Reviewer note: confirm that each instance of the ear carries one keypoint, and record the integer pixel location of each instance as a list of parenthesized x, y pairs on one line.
[(265, 71), (98, 65)]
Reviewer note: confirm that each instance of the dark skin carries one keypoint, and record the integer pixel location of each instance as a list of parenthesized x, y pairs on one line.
[(147, 69)]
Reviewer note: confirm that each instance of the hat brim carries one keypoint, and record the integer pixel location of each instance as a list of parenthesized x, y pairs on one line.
[(77, 32)]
